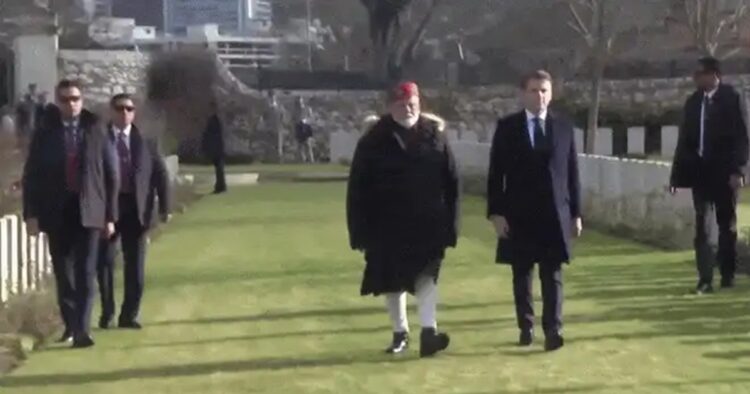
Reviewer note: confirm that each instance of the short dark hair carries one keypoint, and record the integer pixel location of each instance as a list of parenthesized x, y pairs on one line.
[(67, 84), (536, 75), (710, 64), (120, 96)]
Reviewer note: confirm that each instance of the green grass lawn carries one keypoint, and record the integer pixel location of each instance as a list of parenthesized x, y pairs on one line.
[(267, 169), (256, 292)]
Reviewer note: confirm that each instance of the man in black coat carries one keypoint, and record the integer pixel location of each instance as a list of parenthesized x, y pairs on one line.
[(70, 187), (213, 148), (712, 150), (534, 203), (143, 177), (402, 210)]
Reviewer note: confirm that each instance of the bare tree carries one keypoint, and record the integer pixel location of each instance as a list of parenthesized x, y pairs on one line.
[(595, 21), (392, 48), (712, 24)]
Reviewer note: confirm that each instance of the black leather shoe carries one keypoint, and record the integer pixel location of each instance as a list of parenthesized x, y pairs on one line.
[(66, 337), (553, 341), (129, 324), (704, 288), (400, 343), (82, 342), (431, 342), (727, 283), (526, 338), (105, 322)]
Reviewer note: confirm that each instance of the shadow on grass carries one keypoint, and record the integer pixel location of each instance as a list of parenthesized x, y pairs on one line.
[(642, 387), (312, 313), (472, 325), (197, 369)]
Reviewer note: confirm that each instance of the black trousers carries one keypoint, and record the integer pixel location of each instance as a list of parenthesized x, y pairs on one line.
[(132, 237), (221, 181), (74, 249), (715, 199), (552, 294)]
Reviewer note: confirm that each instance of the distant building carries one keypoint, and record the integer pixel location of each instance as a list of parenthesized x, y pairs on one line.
[(259, 14), (102, 8), (238, 53), (145, 12), (119, 32), (232, 16)]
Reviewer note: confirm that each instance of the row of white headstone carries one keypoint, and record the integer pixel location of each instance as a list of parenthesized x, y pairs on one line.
[(604, 145), (342, 144), (25, 261), (636, 141)]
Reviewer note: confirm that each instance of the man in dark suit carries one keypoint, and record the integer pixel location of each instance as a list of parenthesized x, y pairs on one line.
[(534, 203), (143, 176), (70, 187), (213, 148), (712, 150)]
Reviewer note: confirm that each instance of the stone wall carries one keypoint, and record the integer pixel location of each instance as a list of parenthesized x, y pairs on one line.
[(105, 73), (253, 124)]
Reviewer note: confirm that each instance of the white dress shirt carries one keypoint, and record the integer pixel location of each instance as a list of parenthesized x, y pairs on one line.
[(710, 95), (530, 124), (117, 133)]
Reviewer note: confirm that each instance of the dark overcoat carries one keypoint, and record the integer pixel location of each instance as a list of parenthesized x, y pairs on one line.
[(150, 176), (44, 181), (537, 193), (725, 140), (402, 203), (212, 142)]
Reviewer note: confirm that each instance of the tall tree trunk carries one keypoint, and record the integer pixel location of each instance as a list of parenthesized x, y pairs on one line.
[(592, 123)]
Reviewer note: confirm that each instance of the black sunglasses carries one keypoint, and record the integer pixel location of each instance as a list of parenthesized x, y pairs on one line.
[(69, 99), (124, 108)]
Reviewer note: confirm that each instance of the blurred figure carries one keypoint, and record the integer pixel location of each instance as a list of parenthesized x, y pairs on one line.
[(25, 120), (712, 151), (8, 126), (213, 148), (42, 102), (303, 133), (70, 188), (138, 189), (402, 211)]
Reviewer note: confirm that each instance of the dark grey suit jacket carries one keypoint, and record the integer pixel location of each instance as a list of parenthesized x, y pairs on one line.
[(150, 175), (44, 180)]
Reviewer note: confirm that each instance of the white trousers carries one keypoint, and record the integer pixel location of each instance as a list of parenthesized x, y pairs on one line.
[(427, 297)]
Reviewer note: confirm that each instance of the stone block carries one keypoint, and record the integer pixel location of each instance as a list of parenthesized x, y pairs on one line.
[(242, 179), (669, 136), (579, 137), (603, 145), (636, 140), (173, 167)]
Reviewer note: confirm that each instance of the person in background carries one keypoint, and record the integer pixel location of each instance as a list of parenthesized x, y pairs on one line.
[(138, 191), (213, 148), (711, 153), (303, 132), (40, 107), (70, 188), (402, 211)]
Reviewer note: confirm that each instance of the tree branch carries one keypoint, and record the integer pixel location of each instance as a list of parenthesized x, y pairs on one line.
[(409, 52), (577, 23)]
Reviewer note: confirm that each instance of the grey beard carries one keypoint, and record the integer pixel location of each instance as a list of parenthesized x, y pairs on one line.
[(408, 122)]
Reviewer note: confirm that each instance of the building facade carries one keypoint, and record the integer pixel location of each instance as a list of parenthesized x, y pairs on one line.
[(232, 16), (145, 12), (238, 53), (102, 8)]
